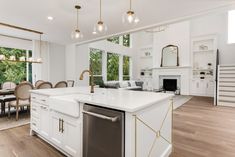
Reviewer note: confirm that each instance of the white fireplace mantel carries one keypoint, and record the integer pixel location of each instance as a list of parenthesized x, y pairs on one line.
[(173, 67), (183, 71)]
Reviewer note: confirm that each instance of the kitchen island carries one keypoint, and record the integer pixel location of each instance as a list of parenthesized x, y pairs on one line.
[(109, 122)]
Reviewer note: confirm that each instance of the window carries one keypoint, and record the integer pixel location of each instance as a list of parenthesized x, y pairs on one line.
[(231, 27), (126, 68), (96, 65), (126, 40), (14, 71), (29, 67), (114, 40), (112, 67), (122, 40)]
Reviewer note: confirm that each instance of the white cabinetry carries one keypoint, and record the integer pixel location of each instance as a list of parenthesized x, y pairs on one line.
[(202, 87), (66, 133), (56, 129), (44, 120), (40, 115), (204, 65), (62, 131)]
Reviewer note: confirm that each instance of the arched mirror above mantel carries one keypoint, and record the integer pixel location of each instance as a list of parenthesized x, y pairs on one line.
[(170, 56)]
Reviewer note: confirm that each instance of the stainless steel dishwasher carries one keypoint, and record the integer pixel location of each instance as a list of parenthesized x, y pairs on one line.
[(103, 132)]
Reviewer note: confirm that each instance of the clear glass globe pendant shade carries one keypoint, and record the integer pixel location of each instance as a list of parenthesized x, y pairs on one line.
[(130, 18), (100, 27), (77, 34)]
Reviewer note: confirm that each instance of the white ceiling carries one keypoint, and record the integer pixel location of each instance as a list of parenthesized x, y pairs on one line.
[(33, 14)]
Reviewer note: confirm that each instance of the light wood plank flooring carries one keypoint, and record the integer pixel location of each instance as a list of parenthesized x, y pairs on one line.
[(18, 143), (200, 130)]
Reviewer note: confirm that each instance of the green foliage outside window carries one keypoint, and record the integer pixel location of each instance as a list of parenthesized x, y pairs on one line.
[(114, 40), (30, 77), (112, 67), (96, 61), (96, 65), (126, 68), (126, 40), (12, 71)]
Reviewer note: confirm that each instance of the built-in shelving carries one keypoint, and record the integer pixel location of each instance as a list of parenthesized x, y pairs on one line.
[(203, 63)]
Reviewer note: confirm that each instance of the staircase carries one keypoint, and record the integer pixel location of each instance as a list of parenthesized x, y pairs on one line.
[(226, 85)]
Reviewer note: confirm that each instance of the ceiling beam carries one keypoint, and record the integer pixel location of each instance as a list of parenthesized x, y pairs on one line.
[(20, 28)]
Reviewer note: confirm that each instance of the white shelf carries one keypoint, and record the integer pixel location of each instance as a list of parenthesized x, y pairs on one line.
[(202, 51), (202, 69), (145, 57)]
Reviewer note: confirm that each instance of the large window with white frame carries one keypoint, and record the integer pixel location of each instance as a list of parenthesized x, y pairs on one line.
[(108, 66), (123, 40), (112, 67), (126, 68), (231, 26), (96, 64)]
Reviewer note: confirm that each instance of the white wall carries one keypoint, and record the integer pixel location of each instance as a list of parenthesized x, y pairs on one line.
[(176, 34), (111, 47), (216, 24), (57, 63), (140, 40), (52, 68), (82, 63), (15, 43), (70, 62)]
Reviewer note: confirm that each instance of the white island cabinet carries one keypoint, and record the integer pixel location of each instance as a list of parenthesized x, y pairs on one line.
[(57, 117)]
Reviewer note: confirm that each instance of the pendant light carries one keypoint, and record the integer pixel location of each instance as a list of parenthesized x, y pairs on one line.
[(130, 17), (100, 27), (77, 34)]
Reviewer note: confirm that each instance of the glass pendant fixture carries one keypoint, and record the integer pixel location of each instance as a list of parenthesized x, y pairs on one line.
[(100, 27), (77, 34), (130, 17)]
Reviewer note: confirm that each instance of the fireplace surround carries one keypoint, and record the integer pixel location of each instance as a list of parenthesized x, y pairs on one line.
[(170, 83)]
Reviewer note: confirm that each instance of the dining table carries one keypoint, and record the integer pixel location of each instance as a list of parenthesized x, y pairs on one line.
[(6, 95)]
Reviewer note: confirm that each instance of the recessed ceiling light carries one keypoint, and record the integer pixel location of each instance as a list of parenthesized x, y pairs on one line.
[(50, 18)]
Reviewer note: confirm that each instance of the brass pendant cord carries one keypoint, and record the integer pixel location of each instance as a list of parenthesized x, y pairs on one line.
[(77, 17), (130, 5), (100, 10), (40, 49)]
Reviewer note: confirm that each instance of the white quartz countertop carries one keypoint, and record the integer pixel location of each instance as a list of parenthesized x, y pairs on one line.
[(125, 100)]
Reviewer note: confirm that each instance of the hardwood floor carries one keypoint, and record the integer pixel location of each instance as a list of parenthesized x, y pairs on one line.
[(200, 130), (18, 143)]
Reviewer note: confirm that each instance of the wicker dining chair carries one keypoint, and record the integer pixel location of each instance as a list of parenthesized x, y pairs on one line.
[(70, 83), (22, 93), (61, 84), (44, 85), (8, 85), (38, 82)]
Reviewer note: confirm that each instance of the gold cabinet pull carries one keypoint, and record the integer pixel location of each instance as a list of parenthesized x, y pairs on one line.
[(62, 130), (59, 124)]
